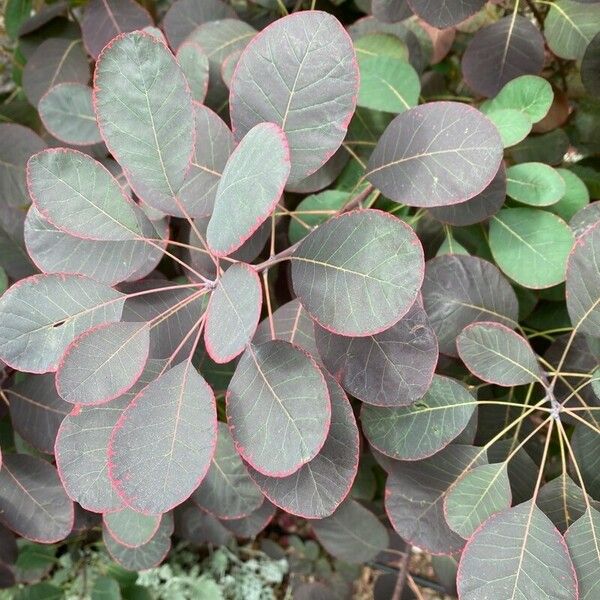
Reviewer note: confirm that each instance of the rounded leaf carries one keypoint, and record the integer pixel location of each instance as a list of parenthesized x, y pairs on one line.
[(424, 428), (358, 273), (278, 408), (570, 26), (105, 19), (536, 184), (233, 313), (445, 13), (144, 110), (41, 315), (477, 209), (316, 489), (531, 246), (352, 534), (33, 502), (227, 491), (194, 63), (497, 354), (68, 114), (477, 495), (130, 528), (502, 51), (590, 66), (582, 540), (531, 561), (459, 290), (103, 363), (258, 168), (162, 445), (437, 154), (76, 193), (300, 72), (391, 368)]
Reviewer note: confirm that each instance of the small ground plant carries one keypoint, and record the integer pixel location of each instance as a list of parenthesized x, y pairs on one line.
[(326, 268)]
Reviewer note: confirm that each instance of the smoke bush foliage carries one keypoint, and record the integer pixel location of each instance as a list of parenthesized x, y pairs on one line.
[(250, 250)]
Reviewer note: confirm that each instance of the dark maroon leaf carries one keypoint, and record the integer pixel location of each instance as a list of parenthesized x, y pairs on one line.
[(477, 209), (391, 368), (318, 487), (33, 502), (414, 498), (445, 13), (104, 19), (227, 491), (162, 444), (502, 51), (200, 527), (277, 424), (254, 523), (459, 290), (590, 66), (36, 411), (437, 154), (391, 11)]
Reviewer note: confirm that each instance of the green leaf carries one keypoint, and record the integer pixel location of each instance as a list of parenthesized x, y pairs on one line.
[(387, 84), (76, 193), (106, 588), (39, 591), (513, 125), (424, 428), (302, 224), (380, 44), (576, 196), (531, 246), (496, 354), (258, 168), (477, 495), (535, 184), (67, 112), (359, 273), (3, 281), (517, 553), (583, 540), (570, 27), (562, 500), (16, 12), (528, 94), (144, 110), (131, 528)]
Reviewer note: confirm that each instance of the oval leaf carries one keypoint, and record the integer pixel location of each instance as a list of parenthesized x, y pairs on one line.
[(161, 447), (300, 73), (392, 368), (358, 273), (480, 493), (531, 562), (459, 290), (531, 246), (144, 110), (418, 431), (452, 159), (277, 424), (233, 313), (227, 491), (33, 502), (41, 315), (130, 528), (257, 169), (76, 193), (497, 354), (535, 184), (68, 114), (445, 13), (318, 487), (498, 53), (583, 540), (570, 26), (103, 363), (352, 534)]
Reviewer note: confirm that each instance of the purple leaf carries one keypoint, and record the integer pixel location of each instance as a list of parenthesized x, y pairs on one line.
[(445, 13)]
